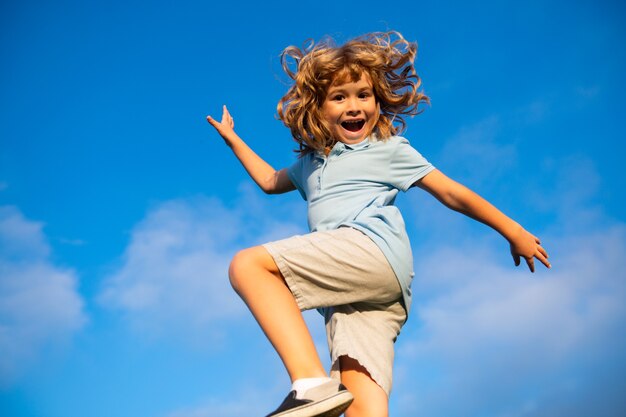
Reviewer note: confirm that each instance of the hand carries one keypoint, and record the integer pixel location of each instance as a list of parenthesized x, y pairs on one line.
[(529, 247), (226, 128)]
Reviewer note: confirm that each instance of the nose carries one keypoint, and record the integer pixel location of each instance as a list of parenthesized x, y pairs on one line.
[(353, 107)]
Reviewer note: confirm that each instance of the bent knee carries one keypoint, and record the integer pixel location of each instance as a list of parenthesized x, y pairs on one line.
[(247, 264), (241, 262)]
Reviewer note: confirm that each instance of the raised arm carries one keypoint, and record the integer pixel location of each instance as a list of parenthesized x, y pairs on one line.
[(270, 180), (460, 198)]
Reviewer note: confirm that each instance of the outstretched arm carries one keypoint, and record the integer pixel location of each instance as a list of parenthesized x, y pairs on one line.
[(270, 180), (460, 198)]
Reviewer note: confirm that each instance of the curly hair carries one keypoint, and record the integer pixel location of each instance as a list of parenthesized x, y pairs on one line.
[(386, 57)]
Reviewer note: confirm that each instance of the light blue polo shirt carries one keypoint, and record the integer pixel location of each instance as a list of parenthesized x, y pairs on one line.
[(356, 186)]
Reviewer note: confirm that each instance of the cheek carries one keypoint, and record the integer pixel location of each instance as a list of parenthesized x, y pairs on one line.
[(324, 110), (329, 113), (326, 119), (374, 112), (376, 107)]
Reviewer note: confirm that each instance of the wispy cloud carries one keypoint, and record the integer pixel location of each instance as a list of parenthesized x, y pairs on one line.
[(589, 91), (491, 340), (570, 192), (39, 301), (173, 277), (534, 112), (487, 339), (475, 154)]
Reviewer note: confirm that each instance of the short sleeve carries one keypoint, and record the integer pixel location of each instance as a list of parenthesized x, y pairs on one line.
[(295, 175), (407, 166)]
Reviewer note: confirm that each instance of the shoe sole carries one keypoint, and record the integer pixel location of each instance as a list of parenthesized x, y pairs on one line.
[(330, 407)]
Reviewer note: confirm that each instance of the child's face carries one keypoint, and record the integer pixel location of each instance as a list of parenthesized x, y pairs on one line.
[(350, 110)]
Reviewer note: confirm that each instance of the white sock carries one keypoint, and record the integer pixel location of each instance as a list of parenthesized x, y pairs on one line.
[(301, 385)]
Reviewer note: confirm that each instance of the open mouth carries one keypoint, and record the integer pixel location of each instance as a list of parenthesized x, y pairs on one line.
[(353, 125)]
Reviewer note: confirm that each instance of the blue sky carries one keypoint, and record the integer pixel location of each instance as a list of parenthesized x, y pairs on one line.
[(120, 207)]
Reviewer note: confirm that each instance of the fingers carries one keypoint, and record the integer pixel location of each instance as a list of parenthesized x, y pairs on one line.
[(516, 259), (227, 119), (541, 255), (545, 262), (543, 258), (225, 116)]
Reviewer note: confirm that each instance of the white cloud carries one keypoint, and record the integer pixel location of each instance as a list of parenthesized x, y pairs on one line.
[(20, 239), (493, 342), (486, 339), (172, 284), (39, 302), (173, 278), (582, 289)]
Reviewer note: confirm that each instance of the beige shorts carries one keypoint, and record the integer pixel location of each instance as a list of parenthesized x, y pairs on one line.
[(346, 274)]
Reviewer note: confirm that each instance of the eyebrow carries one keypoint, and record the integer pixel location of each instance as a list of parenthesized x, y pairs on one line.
[(334, 90)]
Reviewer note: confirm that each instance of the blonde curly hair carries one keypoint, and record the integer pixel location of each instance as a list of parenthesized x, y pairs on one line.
[(386, 57)]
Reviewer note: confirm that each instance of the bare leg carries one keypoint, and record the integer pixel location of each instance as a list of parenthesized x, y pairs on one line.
[(370, 400), (256, 278)]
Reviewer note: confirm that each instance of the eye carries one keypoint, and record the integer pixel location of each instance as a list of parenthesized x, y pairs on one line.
[(337, 97), (365, 94)]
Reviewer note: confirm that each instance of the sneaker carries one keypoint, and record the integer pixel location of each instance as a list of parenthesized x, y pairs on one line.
[(327, 400)]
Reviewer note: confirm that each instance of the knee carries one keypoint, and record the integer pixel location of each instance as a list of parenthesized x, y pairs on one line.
[(239, 268), (248, 266), (251, 267)]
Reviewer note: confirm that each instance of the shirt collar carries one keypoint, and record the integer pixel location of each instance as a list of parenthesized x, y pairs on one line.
[(355, 146), (341, 147)]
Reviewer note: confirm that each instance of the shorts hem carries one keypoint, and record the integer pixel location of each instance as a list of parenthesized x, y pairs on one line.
[(377, 376)]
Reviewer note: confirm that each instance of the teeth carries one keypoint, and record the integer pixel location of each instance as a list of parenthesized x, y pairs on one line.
[(353, 125)]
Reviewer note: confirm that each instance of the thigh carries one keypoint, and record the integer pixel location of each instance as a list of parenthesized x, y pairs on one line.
[(334, 267)]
